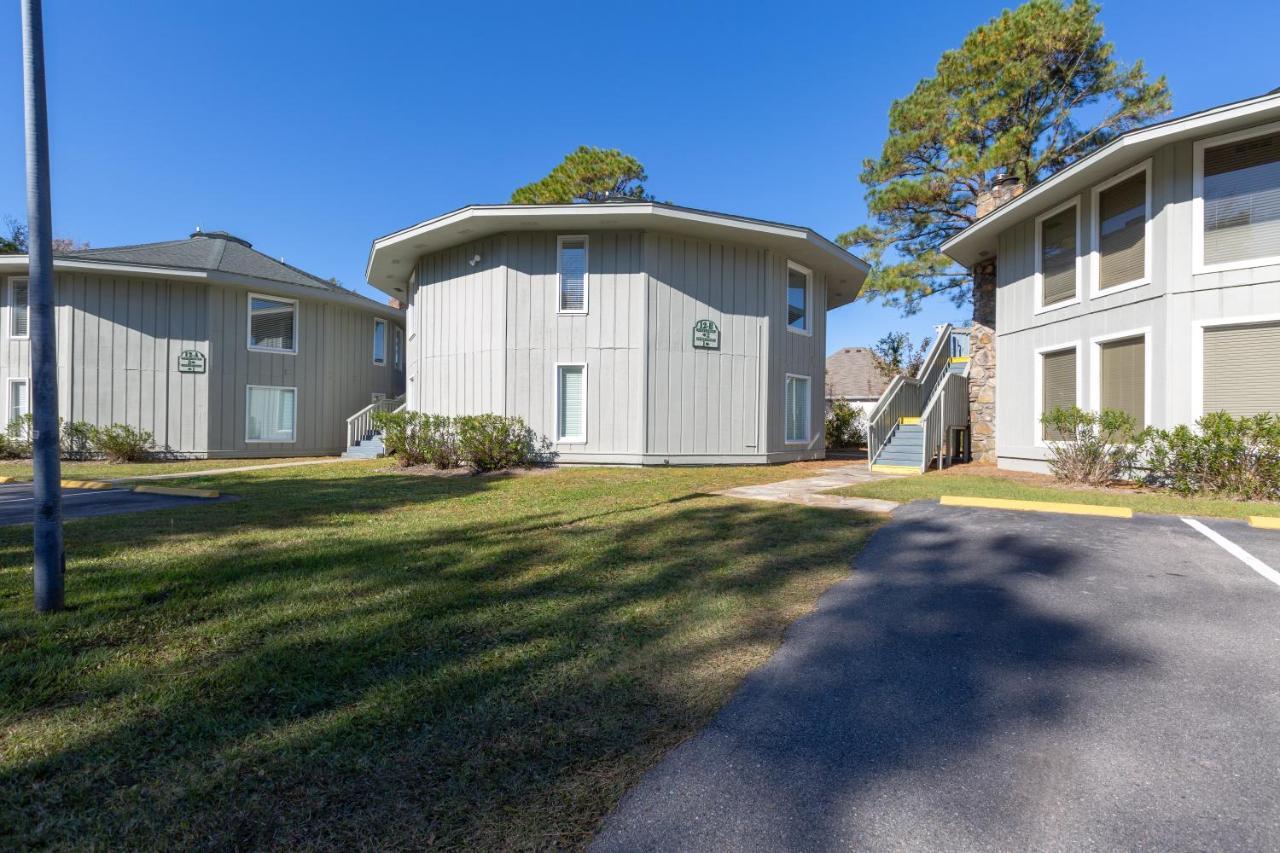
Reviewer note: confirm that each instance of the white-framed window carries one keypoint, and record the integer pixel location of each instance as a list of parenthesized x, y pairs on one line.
[(799, 299), (379, 341), (1121, 232), (571, 403), (397, 347), (19, 309), (1236, 200), (1057, 385), (270, 413), (1225, 354), (1058, 257), (571, 273), (19, 400), (1121, 374), (273, 324), (797, 400)]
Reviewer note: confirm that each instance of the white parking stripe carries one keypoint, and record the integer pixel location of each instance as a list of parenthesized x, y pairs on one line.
[(1236, 551)]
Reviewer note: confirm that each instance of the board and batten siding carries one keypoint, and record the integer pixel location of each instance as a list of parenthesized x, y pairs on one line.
[(799, 354)]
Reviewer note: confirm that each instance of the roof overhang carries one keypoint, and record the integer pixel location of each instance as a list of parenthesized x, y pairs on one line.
[(392, 258), (979, 241), (16, 264)]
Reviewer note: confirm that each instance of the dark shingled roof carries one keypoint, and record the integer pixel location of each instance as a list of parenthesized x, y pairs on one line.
[(852, 372)]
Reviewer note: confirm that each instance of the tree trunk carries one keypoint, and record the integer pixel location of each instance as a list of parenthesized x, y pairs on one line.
[(982, 364)]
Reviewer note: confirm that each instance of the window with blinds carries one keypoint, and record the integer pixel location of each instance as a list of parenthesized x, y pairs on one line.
[(1058, 252), (272, 324), (270, 413), (19, 400), (1233, 382), (572, 267), (796, 399), (571, 419), (1122, 232), (1122, 378), (19, 311), (1241, 196), (1057, 387), (379, 341), (797, 299)]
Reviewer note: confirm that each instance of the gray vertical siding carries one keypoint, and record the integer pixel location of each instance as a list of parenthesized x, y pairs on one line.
[(791, 352)]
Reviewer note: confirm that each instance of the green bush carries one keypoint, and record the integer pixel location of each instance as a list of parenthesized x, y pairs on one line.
[(495, 442), (1091, 447), (17, 438), (120, 442), (483, 442), (1222, 455), (76, 440), (846, 426), (415, 438)]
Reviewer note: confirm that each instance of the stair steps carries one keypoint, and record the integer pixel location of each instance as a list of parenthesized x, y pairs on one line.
[(369, 448)]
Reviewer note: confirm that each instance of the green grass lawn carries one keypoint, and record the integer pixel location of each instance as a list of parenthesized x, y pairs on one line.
[(348, 658), (933, 485), (89, 470)]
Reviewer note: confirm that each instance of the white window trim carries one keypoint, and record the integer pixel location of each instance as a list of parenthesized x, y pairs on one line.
[(397, 349), (13, 280), (1041, 308), (1037, 427), (1198, 266), (377, 321), (8, 399), (248, 324), (586, 273), (1095, 234), (1095, 368), (1197, 352), (808, 405), (292, 388), (807, 331), (571, 439)]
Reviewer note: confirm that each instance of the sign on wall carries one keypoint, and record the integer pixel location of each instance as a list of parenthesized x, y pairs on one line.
[(706, 335), (191, 361)]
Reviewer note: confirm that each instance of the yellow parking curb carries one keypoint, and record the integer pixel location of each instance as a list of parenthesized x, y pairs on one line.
[(86, 484), (176, 492), (1038, 506), (8, 479), (1266, 522), (895, 469)]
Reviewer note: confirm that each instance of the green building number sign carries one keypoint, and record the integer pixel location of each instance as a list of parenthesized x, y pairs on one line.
[(706, 335), (191, 361)]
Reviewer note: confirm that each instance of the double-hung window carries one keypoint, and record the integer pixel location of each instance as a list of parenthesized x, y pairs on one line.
[(270, 413), (379, 341), (571, 403), (1058, 257), (571, 269), (799, 298), (273, 324), (1237, 200), (1059, 386), (397, 347), (19, 400), (1230, 380), (19, 310), (1121, 220), (796, 399), (1120, 376)]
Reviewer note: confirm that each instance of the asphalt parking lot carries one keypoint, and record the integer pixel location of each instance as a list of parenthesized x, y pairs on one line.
[(990, 680), (17, 502)]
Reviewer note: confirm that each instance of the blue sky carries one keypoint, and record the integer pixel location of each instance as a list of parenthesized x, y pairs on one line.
[(309, 129)]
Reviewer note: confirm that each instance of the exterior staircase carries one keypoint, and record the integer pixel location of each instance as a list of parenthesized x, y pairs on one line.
[(924, 421), (364, 440), (370, 447)]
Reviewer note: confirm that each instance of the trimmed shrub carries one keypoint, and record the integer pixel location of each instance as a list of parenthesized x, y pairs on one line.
[(415, 438), (1222, 455), (76, 440), (495, 442), (120, 442), (17, 438), (846, 426), (1095, 448)]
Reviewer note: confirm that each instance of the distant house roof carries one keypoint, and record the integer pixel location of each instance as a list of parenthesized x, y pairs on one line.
[(852, 373)]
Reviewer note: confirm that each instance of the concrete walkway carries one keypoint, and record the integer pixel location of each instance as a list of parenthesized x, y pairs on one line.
[(808, 491)]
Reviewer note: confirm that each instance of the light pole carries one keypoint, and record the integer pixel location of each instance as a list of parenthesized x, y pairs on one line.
[(50, 559)]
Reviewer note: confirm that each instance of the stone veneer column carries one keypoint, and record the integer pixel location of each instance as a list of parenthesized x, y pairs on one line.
[(982, 364)]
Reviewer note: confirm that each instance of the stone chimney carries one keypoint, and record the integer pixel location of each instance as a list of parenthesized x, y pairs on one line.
[(1005, 188), (396, 303)]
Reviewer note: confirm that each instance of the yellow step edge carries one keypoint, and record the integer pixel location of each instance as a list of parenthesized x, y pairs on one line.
[(895, 469), (959, 359), (1037, 506), (86, 484), (908, 421), (176, 492), (1265, 522)]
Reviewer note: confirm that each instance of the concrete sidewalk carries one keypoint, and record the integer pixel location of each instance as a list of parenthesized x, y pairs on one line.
[(808, 490)]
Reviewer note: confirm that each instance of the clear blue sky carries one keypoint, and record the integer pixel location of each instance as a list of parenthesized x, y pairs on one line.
[(309, 127)]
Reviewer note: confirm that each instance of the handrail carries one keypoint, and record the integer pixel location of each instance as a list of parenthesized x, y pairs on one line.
[(947, 408), (360, 424), (905, 396)]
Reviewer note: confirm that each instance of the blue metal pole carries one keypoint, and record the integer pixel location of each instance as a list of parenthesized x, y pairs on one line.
[(50, 560)]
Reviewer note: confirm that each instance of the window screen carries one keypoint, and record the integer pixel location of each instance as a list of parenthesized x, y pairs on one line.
[(270, 413), (797, 402), (1058, 256), (1122, 371), (379, 342), (19, 405), (797, 300), (573, 274), (271, 324), (1122, 225), (1242, 200), (19, 312), (1233, 380), (573, 403), (1058, 386)]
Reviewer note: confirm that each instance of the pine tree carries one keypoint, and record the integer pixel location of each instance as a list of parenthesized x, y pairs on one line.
[(588, 174)]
